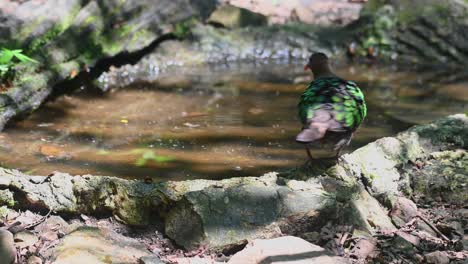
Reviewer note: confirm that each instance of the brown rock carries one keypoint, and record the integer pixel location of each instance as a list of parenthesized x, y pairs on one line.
[(54, 152), (403, 211), (49, 236), (363, 248), (53, 223), (25, 239)]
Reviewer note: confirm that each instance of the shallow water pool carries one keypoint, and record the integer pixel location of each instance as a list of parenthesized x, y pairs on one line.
[(211, 122)]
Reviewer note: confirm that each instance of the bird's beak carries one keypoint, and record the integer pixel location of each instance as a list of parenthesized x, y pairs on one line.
[(306, 67)]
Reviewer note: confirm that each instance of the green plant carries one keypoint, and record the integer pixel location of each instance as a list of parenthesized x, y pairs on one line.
[(10, 58)]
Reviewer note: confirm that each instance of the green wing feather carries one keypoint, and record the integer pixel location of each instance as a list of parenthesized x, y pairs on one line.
[(343, 98)]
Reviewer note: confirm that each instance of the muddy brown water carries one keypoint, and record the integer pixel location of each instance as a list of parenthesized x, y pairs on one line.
[(211, 122)]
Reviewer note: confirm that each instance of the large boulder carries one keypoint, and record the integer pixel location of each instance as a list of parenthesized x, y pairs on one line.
[(235, 210), (68, 37), (443, 177), (385, 164)]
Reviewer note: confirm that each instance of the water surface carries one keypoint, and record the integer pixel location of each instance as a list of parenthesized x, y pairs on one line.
[(211, 122)]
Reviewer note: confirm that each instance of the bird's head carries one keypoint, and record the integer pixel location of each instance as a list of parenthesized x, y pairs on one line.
[(318, 64)]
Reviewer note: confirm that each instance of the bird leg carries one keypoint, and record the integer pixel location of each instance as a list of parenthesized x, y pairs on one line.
[(308, 154), (308, 163), (339, 159)]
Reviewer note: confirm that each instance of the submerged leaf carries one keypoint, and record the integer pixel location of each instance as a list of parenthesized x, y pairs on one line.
[(149, 155), (140, 162), (163, 159), (103, 152)]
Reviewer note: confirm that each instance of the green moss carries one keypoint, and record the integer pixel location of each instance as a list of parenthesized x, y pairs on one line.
[(64, 70), (90, 20), (184, 28), (52, 33), (37, 43), (6, 198), (444, 176), (25, 32), (91, 49), (4, 211), (140, 36), (26, 76)]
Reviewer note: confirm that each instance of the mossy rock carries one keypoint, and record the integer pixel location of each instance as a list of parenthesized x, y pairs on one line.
[(415, 31), (443, 178), (71, 36)]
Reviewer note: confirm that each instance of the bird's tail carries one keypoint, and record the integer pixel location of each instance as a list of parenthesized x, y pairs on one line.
[(312, 133)]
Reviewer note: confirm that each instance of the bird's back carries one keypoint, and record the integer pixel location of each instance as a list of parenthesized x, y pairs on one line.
[(336, 102)]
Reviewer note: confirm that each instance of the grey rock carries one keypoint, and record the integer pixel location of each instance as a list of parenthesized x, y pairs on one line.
[(405, 242), (403, 211), (424, 32), (25, 239), (368, 214), (437, 257), (150, 260), (54, 223), (7, 247), (210, 45), (227, 214), (378, 162), (443, 177)]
